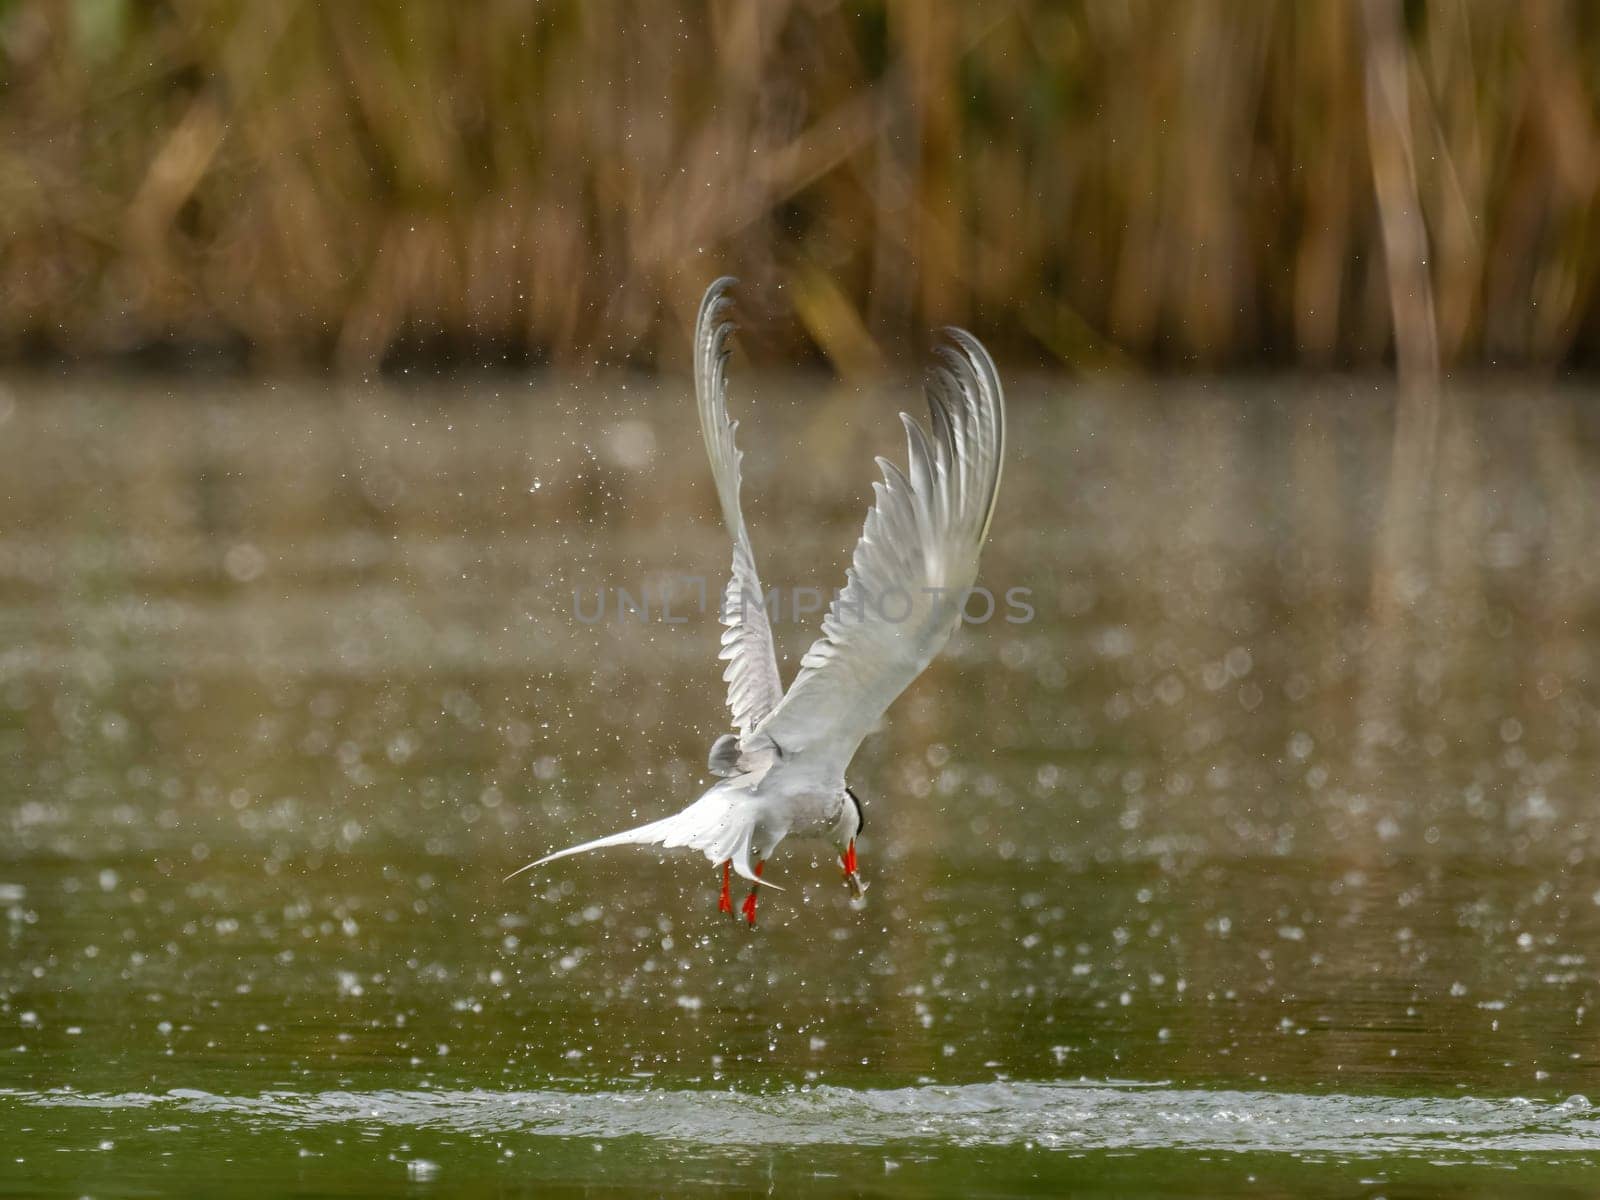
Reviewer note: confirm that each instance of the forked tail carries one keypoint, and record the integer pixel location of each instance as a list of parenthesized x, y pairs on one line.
[(721, 825)]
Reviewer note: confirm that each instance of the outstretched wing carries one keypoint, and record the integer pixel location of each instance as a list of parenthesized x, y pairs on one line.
[(754, 686), (909, 576)]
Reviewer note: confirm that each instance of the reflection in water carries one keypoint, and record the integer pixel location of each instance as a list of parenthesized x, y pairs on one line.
[(289, 678)]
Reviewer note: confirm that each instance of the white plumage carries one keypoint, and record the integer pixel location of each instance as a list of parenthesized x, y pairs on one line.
[(783, 770)]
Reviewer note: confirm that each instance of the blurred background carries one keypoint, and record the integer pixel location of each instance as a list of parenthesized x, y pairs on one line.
[(1088, 184), (343, 354)]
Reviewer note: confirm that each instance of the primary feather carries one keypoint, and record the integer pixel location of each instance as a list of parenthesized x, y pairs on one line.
[(909, 576), (754, 686)]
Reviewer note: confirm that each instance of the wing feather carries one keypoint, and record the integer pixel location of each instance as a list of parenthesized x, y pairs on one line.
[(910, 572), (754, 685)]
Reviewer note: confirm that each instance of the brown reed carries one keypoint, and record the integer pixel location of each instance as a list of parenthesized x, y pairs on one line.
[(1097, 182)]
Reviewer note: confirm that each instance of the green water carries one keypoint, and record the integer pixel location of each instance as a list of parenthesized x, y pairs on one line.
[(1232, 870)]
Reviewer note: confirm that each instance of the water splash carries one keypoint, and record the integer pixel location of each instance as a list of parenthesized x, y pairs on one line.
[(1111, 1116)]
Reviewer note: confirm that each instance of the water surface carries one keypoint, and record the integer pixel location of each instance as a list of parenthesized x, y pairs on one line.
[(1262, 857)]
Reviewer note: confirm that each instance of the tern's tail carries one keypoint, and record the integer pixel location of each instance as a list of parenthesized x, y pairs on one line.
[(721, 825)]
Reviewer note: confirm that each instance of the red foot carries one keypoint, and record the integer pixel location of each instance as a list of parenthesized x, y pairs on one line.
[(749, 906), (848, 858), (725, 901)]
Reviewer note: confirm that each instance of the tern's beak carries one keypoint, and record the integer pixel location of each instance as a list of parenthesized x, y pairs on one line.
[(847, 860)]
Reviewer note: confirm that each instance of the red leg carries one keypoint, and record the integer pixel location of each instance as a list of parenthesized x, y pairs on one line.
[(749, 908), (848, 858), (725, 901)]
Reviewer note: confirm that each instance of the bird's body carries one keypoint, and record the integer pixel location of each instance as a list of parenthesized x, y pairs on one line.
[(782, 774)]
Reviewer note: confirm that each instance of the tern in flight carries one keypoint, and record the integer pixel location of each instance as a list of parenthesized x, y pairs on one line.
[(783, 773)]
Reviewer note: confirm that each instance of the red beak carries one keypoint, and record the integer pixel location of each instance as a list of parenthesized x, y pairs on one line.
[(851, 879)]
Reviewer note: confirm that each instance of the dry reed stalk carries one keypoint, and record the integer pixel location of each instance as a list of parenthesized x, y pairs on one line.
[(1097, 182)]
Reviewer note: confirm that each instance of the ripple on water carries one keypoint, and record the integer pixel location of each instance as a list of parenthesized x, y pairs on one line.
[(1108, 1116)]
